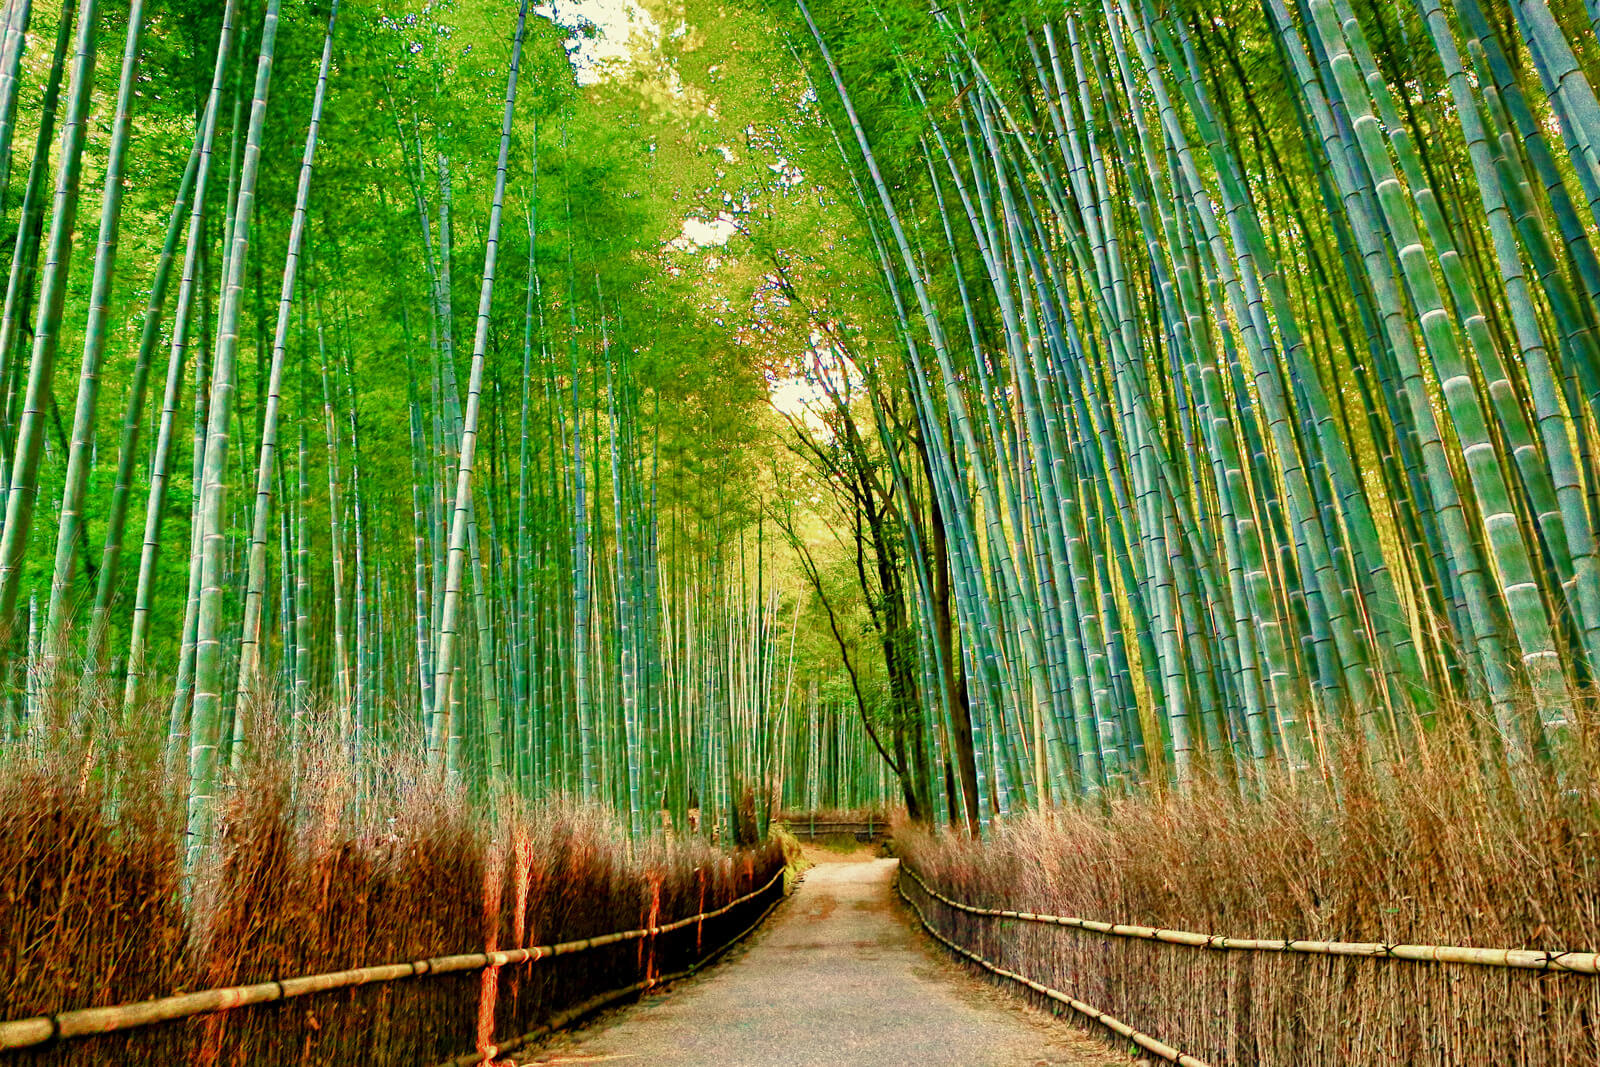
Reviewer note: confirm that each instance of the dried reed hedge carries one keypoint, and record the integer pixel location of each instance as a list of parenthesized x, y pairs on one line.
[(1445, 849), (307, 881)]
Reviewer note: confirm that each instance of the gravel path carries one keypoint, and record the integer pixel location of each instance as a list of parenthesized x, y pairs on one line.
[(836, 977)]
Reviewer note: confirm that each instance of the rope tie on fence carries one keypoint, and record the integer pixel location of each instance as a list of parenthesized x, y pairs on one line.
[(1556, 961), (81, 1022)]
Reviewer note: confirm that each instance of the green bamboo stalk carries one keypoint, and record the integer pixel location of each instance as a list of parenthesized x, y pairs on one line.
[(266, 472), (206, 723), (79, 454), (448, 635), (23, 484)]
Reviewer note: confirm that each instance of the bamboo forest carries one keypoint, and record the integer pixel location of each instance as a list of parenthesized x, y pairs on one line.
[(503, 502)]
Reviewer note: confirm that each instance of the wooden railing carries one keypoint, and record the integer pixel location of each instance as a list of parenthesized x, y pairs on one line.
[(808, 826), (1524, 959), (84, 1022), (1145, 1041), (920, 895)]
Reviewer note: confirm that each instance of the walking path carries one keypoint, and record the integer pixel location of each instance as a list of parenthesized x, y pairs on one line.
[(836, 978)]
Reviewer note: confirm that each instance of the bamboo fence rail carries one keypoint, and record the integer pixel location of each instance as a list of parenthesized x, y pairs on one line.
[(812, 827), (1138, 1037), (1519, 959), (565, 1018), (84, 1022)]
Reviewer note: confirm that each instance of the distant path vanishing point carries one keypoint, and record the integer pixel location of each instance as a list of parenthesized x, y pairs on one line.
[(838, 977)]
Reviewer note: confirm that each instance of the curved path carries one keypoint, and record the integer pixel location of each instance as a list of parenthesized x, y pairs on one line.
[(836, 978)]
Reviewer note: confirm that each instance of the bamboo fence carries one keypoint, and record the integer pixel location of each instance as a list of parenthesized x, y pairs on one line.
[(84, 1022), (807, 825), (593, 1004), (1520, 959), (1138, 1037)]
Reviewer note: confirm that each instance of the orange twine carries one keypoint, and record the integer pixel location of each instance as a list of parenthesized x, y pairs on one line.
[(489, 989), (700, 923), (521, 875), (655, 919)]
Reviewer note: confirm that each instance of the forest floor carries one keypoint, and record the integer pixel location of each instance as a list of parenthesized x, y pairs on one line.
[(839, 976)]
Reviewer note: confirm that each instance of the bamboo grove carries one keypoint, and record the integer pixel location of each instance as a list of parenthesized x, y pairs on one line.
[(1243, 364), (1205, 386), (385, 269)]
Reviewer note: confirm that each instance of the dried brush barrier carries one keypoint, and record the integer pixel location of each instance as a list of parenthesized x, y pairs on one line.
[(1443, 849), (306, 881)]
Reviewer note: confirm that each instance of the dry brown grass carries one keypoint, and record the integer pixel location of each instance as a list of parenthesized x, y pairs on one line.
[(306, 881), (1445, 849)]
